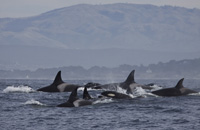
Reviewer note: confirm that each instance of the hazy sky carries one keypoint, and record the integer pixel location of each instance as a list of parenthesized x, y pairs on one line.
[(23, 8)]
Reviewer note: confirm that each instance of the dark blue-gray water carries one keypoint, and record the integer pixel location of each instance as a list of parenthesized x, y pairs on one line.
[(23, 108)]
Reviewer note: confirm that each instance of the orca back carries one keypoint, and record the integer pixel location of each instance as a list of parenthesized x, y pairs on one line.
[(178, 90), (53, 87), (179, 85), (182, 89), (167, 92), (86, 95), (130, 79), (73, 96), (70, 102), (58, 79)]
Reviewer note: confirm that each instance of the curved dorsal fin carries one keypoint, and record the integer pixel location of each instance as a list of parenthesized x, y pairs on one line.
[(73, 96), (130, 79), (86, 95), (179, 85), (58, 79)]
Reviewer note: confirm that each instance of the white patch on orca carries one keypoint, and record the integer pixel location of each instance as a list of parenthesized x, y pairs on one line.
[(76, 103), (20, 88), (62, 87), (111, 94), (182, 90), (81, 102)]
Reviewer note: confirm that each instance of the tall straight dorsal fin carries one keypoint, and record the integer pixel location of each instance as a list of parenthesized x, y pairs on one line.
[(130, 79), (73, 96), (86, 95), (58, 79), (179, 84)]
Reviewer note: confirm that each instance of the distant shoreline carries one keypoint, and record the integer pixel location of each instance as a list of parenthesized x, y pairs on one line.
[(189, 69)]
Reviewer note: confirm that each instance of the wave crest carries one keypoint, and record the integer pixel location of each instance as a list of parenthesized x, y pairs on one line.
[(21, 88), (34, 102), (103, 101)]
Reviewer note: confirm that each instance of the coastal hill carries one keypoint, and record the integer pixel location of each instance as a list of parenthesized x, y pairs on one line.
[(100, 35)]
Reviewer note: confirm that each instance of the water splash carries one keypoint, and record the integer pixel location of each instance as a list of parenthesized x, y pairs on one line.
[(21, 88), (34, 102), (139, 91), (121, 90), (155, 87), (82, 89), (124, 91), (195, 94), (106, 100)]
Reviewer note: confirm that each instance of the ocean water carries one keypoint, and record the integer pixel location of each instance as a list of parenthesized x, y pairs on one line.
[(23, 108)]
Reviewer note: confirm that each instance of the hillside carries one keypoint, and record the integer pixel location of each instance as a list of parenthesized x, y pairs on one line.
[(139, 29), (106, 26)]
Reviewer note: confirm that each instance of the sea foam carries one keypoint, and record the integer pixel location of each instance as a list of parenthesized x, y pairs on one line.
[(34, 102), (21, 88), (155, 87), (103, 101)]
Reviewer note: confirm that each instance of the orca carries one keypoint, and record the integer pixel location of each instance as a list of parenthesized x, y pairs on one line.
[(178, 90), (59, 85), (74, 101), (131, 87), (129, 84), (115, 95), (123, 85)]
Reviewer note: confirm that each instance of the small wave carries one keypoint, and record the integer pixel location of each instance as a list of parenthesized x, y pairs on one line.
[(20, 88), (195, 94), (103, 101), (34, 102), (82, 89)]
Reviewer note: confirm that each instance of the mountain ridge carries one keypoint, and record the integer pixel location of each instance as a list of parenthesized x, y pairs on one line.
[(62, 26), (100, 27)]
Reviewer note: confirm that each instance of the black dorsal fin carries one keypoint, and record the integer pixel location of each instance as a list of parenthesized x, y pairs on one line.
[(73, 96), (86, 95), (58, 79), (179, 84), (130, 79)]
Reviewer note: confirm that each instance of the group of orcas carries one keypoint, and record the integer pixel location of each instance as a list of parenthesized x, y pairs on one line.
[(129, 85)]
